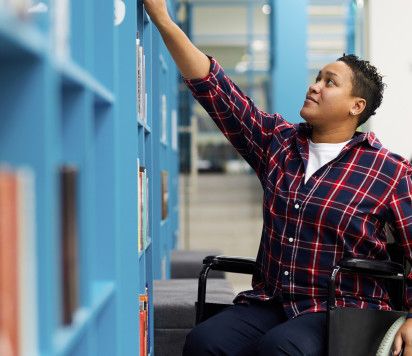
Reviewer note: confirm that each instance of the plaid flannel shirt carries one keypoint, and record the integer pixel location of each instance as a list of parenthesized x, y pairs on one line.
[(340, 212)]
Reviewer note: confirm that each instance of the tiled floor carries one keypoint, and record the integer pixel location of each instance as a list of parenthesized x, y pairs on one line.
[(222, 212)]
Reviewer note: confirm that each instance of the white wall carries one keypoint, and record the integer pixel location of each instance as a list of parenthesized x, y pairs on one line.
[(389, 29)]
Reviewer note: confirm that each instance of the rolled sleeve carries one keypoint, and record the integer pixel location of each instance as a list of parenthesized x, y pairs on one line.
[(209, 82), (249, 129)]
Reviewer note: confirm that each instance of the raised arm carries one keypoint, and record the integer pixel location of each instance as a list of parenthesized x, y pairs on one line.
[(249, 129), (192, 63)]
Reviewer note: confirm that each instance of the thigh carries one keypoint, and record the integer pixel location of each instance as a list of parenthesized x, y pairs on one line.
[(303, 335), (234, 331)]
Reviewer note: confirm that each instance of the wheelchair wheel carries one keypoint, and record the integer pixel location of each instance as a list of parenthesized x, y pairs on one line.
[(386, 343)]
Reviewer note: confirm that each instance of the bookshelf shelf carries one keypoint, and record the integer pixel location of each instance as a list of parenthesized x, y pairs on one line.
[(66, 338), (143, 125), (74, 76), (143, 252), (19, 39), (68, 108)]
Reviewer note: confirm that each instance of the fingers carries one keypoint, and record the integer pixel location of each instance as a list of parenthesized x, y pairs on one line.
[(397, 345)]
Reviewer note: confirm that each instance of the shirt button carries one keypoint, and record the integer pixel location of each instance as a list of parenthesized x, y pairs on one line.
[(297, 206), (286, 273), (290, 239)]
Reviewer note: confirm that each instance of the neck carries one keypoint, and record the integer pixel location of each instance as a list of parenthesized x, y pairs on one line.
[(331, 135)]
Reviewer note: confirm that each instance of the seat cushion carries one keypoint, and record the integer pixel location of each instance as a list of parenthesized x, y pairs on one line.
[(169, 342), (174, 300), (188, 263)]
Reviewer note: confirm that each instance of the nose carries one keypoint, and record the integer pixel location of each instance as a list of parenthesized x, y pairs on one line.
[(314, 88)]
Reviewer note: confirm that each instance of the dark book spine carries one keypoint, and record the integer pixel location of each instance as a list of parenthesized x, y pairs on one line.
[(69, 236)]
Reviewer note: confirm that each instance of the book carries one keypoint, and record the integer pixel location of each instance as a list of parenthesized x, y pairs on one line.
[(9, 259), (143, 210), (140, 208), (164, 120), (146, 206), (143, 324), (139, 214), (27, 259), (61, 28), (69, 239), (144, 94), (138, 76), (174, 129), (165, 194)]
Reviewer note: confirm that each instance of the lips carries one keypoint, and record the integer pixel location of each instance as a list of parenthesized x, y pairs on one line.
[(311, 99)]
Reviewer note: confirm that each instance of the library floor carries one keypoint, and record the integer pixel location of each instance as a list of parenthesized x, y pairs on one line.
[(222, 212)]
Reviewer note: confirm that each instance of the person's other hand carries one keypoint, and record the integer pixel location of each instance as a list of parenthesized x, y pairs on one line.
[(403, 336), (157, 10)]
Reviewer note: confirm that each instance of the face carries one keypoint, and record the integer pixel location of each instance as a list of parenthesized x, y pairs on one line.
[(329, 100)]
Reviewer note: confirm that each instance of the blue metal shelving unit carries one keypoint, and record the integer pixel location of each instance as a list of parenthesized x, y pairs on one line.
[(82, 111)]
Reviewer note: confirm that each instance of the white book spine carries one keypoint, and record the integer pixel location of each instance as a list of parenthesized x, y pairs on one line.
[(141, 82), (139, 245), (61, 28), (27, 261), (144, 98), (174, 130), (164, 119), (138, 77)]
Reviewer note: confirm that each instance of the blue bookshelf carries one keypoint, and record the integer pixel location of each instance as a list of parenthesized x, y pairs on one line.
[(80, 110)]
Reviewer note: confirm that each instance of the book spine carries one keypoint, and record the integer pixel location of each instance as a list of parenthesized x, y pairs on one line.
[(69, 243), (28, 263), (138, 76), (9, 293), (139, 201), (140, 79), (61, 28), (144, 208)]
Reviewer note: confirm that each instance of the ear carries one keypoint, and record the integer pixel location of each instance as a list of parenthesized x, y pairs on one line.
[(358, 106)]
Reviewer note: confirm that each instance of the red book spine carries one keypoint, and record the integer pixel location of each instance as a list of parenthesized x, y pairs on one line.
[(9, 335)]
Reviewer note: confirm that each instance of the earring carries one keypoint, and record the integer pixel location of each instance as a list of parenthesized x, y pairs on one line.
[(352, 113)]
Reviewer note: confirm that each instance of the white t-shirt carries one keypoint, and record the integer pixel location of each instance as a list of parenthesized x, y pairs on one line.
[(320, 154)]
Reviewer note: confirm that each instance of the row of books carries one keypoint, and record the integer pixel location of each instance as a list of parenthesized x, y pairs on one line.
[(142, 207), (144, 324), (141, 94), (18, 267)]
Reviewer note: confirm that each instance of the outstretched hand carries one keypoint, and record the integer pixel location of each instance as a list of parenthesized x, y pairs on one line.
[(403, 337), (157, 10)]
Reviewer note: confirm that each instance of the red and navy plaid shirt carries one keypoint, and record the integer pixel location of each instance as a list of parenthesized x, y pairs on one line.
[(308, 227)]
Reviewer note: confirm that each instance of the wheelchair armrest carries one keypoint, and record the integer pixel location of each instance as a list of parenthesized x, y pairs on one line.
[(369, 267), (373, 267), (234, 264), (245, 265)]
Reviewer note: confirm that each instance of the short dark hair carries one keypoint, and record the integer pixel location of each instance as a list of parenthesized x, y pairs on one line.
[(366, 83)]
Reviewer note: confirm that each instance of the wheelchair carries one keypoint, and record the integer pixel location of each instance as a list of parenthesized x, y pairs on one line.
[(350, 331)]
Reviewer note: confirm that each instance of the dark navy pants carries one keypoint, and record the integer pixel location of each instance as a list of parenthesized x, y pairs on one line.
[(258, 329)]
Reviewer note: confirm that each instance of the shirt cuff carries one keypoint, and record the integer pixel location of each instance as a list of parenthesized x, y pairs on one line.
[(210, 81)]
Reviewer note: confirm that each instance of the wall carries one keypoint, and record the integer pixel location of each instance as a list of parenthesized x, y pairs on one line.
[(390, 49)]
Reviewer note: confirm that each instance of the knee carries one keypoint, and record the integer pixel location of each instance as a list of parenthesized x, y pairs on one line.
[(197, 343), (280, 347), (283, 344)]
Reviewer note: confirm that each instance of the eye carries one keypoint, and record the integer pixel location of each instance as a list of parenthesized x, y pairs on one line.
[(330, 82)]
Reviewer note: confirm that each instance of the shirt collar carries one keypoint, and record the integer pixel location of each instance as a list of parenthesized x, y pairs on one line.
[(305, 129)]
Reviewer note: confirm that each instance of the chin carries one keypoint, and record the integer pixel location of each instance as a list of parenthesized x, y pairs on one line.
[(310, 119), (304, 115)]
